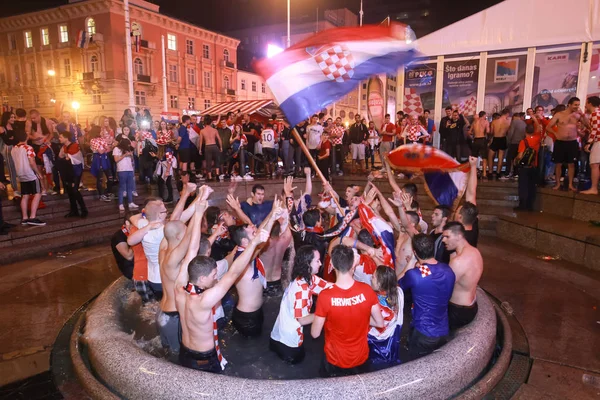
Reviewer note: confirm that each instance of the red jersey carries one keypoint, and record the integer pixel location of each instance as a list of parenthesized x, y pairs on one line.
[(347, 314), (534, 142), (389, 128), (326, 145)]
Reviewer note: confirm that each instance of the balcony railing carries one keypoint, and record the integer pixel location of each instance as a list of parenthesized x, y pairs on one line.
[(88, 76), (231, 92), (144, 78), (227, 64)]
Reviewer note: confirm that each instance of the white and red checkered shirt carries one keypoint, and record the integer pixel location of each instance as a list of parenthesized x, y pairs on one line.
[(99, 145), (595, 123), (296, 303), (413, 132), (338, 130)]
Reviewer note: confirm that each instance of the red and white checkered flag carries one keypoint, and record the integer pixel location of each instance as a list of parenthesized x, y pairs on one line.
[(412, 102)]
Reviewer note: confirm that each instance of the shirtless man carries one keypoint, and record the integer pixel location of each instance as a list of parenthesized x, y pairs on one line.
[(196, 294), (467, 265), (480, 131), (405, 258), (172, 250), (248, 316), (566, 148), (499, 129), (213, 147), (39, 130)]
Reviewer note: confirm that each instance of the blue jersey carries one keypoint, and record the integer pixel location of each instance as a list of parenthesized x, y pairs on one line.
[(257, 212), (185, 137), (432, 286)]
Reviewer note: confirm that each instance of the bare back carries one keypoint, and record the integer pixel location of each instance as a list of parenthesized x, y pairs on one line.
[(250, 291), (500, 127), (467, 267), (169, 269), (566, 123), (404, 253), (481, 128), (209, 135), (196, 321)]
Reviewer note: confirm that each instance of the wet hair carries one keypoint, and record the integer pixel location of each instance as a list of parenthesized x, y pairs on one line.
[(506, 111), (448, 108), (423, 246), (573, 100), (212, 215), (410, 188), (444, 209), (426, 111), (559, 108), (238, 233), (594, 101), (388, 283), (481, 114), (207, 120), (495, 115), (256, 187), (301, 268), (185, 118), (364, 236), (342, 258), (311, 217), (455, 227), (469, 213), (200, 266), (20, 113), (204, 246), (413, 217)]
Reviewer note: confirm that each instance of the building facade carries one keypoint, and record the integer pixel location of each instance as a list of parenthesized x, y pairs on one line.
[(43, 64), (251, 86)]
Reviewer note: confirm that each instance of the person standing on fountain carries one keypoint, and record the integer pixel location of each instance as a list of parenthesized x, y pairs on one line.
[(467, 265), (247, 316), (431, 283), (345, 311), (197, 291), (287, 336)]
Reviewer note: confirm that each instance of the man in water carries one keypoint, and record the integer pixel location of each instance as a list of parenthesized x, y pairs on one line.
[(346, 311), (499, 128), (197, 291), (467, 266), (566, 147), (256, 208), (480, 130), (440, 217)]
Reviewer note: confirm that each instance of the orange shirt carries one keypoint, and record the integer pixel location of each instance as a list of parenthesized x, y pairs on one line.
[(140, 263)]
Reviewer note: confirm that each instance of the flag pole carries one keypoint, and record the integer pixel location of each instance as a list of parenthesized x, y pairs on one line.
[(129, 56), (312, 162)]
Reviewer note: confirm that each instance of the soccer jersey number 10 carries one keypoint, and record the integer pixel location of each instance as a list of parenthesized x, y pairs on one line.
[(268, 137)]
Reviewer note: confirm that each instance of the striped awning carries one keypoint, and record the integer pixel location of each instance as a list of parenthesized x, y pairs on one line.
[(262, 107)]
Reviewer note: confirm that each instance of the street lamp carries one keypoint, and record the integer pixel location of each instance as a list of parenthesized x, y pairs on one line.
[(75, 106), (51, 72)]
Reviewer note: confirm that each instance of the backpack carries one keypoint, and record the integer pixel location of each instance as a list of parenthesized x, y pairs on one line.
[(529, 156)]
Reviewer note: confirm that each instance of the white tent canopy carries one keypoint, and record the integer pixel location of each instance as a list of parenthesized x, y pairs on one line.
[(515, 24)]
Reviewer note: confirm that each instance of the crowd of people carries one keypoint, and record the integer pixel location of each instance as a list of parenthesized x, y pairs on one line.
[(367, 261)]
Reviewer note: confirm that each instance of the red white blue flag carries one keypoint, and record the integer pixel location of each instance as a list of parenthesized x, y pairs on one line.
[(381, 232), (325, 67), (83, 39)]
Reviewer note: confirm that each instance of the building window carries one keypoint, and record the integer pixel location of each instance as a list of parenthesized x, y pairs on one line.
[(174, 102), (138, 66), (207, 79), (96, 97), (364, 86), (32, 74), (253, 86), (91, 27), (67, 67), (226, 82), (20, 103), (63, 31), (140, 98), (28, 40), (36, 100), (12, 41), (243, 84), (191, 103), (263, 88), (173, 73), (225, 54), (191, 76), (45, 37), (206, 104), (94, 63), (189, 47), (205, 51), (364, 97), (5, 100), (17, 74), (171, 41)]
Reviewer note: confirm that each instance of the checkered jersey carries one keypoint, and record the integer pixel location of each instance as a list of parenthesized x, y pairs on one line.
[(338, 130), (412, 102), (99, 145), (595, 123), (337, 63), (28, 150)]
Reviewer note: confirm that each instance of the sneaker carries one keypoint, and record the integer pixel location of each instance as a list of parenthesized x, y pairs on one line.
[(134, 194), (133, 206), (35, 222), (237, 178), (111, 196), (44, 193), (248, 178), (503, 178), (121, 207), (200, 177), (24, 221), (221, 177), (105, 198)]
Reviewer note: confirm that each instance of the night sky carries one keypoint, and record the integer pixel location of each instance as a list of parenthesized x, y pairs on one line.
[(227, 15)]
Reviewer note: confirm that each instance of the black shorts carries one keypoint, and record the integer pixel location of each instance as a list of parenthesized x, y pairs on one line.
[(30, 187), (169, 329), (499, 143), (328, 370), (269, 154), (420, 345), (248, 324), (207, 361), (291, 355), (459, 316), (479, 148), (212, 153), (565, 151), (156, 289), (185, 155), (273, 288)]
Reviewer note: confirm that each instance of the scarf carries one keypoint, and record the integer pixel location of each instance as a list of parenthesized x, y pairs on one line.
[(257, 264), (194, 290)]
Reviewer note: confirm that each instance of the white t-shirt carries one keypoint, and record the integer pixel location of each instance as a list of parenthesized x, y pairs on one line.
[(313, 138), (151, 245), (268, 139), (21, 154), (126, 163), (296, 303)]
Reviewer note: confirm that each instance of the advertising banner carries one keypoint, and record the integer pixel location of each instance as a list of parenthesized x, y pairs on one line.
[(504, 84), (555, 78), (460, 85), (419, 88), (594, 83), (376, 99)]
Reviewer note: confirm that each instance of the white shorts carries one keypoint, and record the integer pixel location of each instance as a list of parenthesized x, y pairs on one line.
[(358, 151), (595, 154)]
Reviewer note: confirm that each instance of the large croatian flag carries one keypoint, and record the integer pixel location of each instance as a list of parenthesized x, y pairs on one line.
[(323, 68), (381, 232), (445, 178)]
